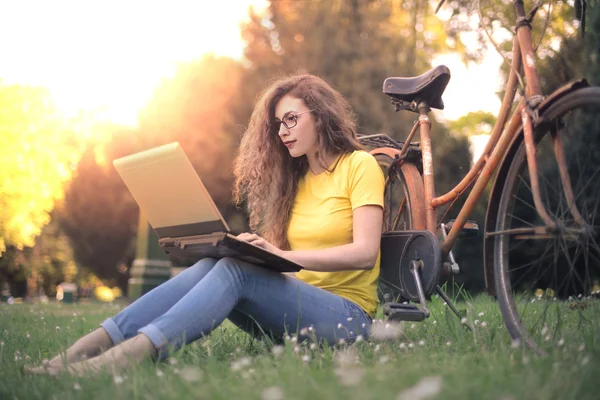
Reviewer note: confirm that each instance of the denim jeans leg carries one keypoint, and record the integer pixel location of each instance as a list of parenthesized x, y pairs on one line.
[(277, 303), (159, 300)]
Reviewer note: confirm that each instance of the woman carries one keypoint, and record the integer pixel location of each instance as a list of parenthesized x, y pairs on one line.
[(314, 197)]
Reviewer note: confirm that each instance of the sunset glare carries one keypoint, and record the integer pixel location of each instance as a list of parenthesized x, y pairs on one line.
[(107, 57)]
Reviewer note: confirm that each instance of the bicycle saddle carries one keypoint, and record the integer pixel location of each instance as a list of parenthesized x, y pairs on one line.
[(427, 87)]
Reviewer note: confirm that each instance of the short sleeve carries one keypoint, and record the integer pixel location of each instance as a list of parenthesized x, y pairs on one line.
[(366, 181)]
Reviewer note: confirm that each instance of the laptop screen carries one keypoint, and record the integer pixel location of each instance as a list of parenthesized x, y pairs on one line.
[(169, 192)]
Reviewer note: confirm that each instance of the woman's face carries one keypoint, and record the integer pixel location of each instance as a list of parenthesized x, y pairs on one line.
[(300, 139)]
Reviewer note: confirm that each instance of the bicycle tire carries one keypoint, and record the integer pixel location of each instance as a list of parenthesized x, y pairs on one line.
[(544, 282), (404, 182)]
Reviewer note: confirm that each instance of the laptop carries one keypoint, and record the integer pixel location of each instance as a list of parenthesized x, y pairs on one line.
[(177, 205)]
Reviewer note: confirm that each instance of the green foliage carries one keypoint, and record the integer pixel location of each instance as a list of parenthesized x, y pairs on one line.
[(474, 123)]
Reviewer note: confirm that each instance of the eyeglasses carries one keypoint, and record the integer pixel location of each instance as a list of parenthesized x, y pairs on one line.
[(289, 121)]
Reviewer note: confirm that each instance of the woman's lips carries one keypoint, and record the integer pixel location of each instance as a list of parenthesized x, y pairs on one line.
[(289, 144)]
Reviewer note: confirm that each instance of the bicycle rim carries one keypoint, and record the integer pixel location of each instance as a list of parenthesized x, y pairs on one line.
[(548, 284), (404, 199)]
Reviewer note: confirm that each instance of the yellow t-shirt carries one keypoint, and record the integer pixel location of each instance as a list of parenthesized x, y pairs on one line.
[(322, 217)]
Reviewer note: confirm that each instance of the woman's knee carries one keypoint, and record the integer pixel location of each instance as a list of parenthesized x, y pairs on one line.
[(199, 270)]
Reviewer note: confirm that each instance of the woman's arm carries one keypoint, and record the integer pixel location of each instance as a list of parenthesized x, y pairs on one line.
[(362, 253)]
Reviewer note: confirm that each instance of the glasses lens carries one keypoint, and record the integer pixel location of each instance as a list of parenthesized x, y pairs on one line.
[(290, 121)]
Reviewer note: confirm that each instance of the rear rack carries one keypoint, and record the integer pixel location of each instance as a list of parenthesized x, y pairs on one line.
[(383, 140)]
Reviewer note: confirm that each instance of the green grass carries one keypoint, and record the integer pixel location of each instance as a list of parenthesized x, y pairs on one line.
[(228, 364)]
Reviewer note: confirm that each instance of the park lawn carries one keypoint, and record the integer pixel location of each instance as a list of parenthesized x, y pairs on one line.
[(438, 355)]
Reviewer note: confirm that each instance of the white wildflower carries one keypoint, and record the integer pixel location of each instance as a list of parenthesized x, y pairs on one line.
[(421, 343), (364, 325), (426, 388), (313, 346), (339, 325), (172, 360), (58, 328), (306, 358), (484, 324), (191, 374), (349, 319), (76, 386), (481, 314), (463, 320), (581, 347), (277, 350), (117, 379), (377, 348), (585, 360), (350, 376), (359, 338), (159, 373), (384, 359), (388, 332), (561, 342), (272, 393)]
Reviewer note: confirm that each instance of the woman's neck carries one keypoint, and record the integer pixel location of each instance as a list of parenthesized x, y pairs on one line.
[(319, 165)]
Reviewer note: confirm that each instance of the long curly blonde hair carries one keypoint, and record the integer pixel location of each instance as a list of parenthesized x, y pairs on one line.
[(266, 175)]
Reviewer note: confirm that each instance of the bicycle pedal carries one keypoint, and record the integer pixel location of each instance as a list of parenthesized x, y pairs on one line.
[(470, 229), (403, 312)]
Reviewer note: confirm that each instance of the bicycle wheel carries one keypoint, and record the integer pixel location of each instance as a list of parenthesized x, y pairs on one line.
[(547, 282), (404, 200)]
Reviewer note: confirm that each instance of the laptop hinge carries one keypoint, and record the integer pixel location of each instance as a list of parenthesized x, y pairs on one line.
[(210, 239)]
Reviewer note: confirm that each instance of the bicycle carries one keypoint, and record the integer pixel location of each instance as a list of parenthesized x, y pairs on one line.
[(542, 224)]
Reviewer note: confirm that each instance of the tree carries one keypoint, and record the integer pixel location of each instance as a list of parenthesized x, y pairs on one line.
[(354, 45), (37, 151)]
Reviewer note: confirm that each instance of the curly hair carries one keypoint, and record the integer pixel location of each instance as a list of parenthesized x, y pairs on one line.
[(266, 175)]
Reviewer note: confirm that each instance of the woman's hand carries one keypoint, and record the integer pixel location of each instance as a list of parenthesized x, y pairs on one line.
[(256, 240)]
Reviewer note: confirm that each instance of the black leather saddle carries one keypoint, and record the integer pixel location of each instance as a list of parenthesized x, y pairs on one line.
[(427, 87)]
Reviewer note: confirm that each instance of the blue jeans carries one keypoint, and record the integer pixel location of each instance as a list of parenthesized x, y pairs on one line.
[(256, 299)]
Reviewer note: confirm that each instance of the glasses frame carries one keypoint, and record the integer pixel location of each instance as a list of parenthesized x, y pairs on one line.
[(278, 122)]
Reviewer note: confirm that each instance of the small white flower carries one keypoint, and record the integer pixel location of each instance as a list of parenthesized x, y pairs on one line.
[(117, 379), (342, 341), (581, 347), (515, 344), (310, 328), (159, 373), (412, 326), (58, 328), (359, 338), (484, 324), (434, 321), (304, 331), (585, 360), (297, 349), (272, 393), (340, 326), (377, 348), (313, 346), (172, 360), (364, 325), (448, 343), (561, 342), (481, 314), (463, 320), (28, 335), (277, 350), (421, 343), (349, 319), (476, 322), (384, 359), (426, 388), (411, 345), (544, 330), (306, 358), (76, 386), (191, 374), (547, 338), (403, 345)]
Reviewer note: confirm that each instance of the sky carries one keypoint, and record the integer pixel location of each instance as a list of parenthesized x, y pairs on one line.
[(110, 55)]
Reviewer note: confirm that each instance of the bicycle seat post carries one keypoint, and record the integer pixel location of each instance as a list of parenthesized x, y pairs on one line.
[(428, 178)]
